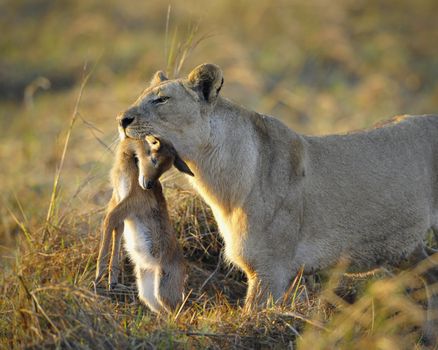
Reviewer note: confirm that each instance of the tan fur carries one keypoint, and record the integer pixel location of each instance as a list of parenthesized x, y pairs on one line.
[(284, 200), (150, 239)]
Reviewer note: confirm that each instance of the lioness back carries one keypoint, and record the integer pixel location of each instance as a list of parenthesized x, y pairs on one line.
[(363, 181)]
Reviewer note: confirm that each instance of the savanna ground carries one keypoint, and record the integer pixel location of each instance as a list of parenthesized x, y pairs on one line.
[(319, 66)]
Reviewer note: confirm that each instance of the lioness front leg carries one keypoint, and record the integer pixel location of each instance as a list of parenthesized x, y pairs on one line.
[(270, 284)]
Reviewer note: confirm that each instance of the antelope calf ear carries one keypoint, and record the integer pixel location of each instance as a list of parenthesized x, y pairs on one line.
[(207, 81), (158, 78), (154, 143), (182, 166)]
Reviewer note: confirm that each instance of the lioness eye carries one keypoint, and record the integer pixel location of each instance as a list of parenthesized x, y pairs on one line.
[(160, 100), (154, 161)]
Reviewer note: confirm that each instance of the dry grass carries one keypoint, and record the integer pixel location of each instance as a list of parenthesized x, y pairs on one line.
[(47, 299), (320, 68)]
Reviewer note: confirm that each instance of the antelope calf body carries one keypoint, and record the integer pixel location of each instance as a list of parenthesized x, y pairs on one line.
[(138, 210)]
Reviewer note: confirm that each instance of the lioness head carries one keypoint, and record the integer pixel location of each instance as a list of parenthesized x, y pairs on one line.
[(177, 110)]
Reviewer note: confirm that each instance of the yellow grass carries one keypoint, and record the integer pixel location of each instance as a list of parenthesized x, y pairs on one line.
[(319, 66)]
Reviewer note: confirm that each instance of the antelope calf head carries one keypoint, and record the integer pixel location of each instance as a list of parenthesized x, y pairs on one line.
[(158, 159)]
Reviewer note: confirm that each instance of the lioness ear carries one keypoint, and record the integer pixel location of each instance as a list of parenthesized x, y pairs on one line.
[(159, 77), (298, 158), (154, 143), (182, 166), (207, 80)]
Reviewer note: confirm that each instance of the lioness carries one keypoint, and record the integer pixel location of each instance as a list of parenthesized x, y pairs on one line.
[(284, 200)]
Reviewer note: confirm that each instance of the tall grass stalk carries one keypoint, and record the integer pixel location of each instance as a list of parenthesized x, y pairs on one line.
[(56, 180), (177, 52)]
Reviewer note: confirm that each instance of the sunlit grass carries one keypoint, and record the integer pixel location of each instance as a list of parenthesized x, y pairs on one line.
[(320, 67)]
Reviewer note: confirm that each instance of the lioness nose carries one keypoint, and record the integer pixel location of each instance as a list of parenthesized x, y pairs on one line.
[(125, 121)]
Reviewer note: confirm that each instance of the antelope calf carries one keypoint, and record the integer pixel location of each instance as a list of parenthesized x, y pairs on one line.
[(138, 209)]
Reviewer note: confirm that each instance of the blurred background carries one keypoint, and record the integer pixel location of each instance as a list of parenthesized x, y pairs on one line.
[(320, 66)]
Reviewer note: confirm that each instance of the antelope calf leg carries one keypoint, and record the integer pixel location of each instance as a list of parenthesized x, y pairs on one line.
[(170, 283), (115, 256), (146, 284)]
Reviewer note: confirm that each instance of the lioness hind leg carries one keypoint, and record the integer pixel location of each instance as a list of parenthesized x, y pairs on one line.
[(431, 327), (430, 276)]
